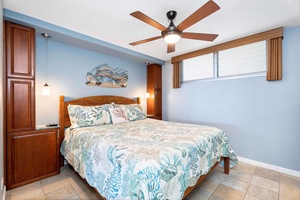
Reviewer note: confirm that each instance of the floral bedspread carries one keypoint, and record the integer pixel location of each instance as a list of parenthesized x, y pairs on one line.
[(145, 159)]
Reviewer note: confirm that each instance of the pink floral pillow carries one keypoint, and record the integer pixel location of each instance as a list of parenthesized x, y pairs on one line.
[(118, 115)]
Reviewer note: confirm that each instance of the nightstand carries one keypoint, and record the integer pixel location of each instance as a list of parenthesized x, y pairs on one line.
[(158, 117), (33, 155)]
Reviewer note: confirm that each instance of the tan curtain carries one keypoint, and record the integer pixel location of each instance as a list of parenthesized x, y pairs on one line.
[(274, 71), (176, 75)]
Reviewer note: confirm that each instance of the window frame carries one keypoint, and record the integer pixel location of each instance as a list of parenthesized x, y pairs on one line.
[(274, 52), (216, 68)]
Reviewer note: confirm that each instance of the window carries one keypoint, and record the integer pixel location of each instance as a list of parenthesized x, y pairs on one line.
[(246, 59), (200, 67), (272, 39)]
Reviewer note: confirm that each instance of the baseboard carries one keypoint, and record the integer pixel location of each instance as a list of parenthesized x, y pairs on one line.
[(271, 167)]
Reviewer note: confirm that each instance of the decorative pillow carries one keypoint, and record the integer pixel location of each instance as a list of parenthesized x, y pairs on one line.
[(82, 116), (118, 115), (133, 111)]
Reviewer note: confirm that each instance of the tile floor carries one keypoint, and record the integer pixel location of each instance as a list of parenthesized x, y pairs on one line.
[(245, 182)]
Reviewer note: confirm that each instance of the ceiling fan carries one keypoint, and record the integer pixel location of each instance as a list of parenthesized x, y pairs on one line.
[(173, 33)]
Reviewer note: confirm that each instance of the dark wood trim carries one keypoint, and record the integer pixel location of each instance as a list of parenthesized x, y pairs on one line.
[(61, 126)]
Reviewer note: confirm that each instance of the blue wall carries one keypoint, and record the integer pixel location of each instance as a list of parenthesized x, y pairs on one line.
[(261, 118), (67, 68)]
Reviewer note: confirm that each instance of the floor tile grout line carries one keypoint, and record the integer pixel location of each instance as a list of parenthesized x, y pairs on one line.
[(250, 184)]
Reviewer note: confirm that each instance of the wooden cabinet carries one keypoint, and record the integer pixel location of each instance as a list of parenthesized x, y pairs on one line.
[(154, 87), (32, 155), (20, 77), (20, 51), (20, 105)]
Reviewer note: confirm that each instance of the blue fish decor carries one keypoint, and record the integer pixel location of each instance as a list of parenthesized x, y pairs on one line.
[(105, 76)]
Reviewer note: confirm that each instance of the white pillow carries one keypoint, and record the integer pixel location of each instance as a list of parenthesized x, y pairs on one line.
[(133, 111), (118, 115)]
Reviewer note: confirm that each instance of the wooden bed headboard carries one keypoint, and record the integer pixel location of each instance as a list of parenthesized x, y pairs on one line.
[(64, 120)]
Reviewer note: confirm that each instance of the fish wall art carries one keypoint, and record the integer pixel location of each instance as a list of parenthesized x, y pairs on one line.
[(105, 76)]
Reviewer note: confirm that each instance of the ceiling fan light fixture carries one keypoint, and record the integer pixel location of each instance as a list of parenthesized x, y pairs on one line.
[(171, 37)]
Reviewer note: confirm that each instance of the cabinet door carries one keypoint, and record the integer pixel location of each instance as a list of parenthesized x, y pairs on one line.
[(154, 87), (20, 105), (158, 91), (31, 156), (20, 51)]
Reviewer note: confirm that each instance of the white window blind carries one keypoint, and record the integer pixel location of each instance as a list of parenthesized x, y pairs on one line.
[(198, 68), (245, 59)]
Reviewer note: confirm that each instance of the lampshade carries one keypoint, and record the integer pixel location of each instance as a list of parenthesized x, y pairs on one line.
[(46, 90), (171, 38), (147, 95)]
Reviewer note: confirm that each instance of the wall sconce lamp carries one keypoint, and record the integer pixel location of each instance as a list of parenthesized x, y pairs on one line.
[(46, 89), (147, 95)]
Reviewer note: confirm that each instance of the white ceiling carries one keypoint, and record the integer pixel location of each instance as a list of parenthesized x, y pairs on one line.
[(110, 20)]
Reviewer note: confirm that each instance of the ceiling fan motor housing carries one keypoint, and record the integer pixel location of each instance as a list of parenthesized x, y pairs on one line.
[(171, 14), (171, 28), (170, 31)]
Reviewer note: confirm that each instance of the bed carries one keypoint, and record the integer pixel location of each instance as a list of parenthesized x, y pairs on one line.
[(138, 158)]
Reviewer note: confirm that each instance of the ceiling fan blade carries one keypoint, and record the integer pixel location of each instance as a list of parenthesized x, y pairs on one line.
[(145, 40), (171, 48), (139, 15), (199, 36), (204, 11)]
